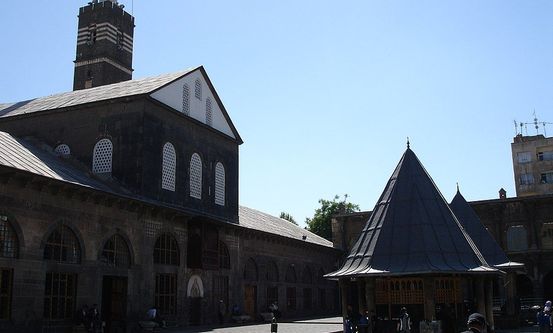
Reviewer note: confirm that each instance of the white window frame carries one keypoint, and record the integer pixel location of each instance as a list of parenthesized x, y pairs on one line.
[(168, 167), (102, 156), (526, 179), (196, 176), (220, 178), (524, 157)]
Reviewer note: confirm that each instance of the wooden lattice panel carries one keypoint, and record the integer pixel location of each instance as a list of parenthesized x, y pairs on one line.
[(447, 290), (399, 291)]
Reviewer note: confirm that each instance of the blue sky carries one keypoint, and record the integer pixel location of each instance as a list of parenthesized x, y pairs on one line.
[(324, 93)]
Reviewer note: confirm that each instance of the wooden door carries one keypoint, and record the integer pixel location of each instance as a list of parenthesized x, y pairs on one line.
[(114, 303), (250, 296)]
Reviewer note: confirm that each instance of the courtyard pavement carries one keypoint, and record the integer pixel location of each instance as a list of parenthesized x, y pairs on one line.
[(319, 325)]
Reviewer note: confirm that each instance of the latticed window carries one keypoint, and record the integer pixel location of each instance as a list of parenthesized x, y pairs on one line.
[(166, 251), (224, 257), (517, 238), (198, 89), (165, 296), (290, 275), (62, 150), (8, 239), (272, 272), (272, 296), (59, 295), (250, 271), (6, 282), (448, 291), (116, 252), (186, 99), (63, 246), (196, 176), (399, 291), (307, 298), (101, 160), (291, 298), (168, 167), (208, 112), (219, 184)]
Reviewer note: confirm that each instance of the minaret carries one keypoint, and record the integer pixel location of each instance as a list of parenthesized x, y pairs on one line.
[(104, 45)]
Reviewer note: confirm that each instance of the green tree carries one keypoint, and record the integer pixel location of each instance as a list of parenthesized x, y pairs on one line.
[(288, 217), (320, 223)]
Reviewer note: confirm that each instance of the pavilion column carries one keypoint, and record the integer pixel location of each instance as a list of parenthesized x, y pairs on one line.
[(479, 295), (489, 303), (511, 293), (370, 295), (361, 294), (344, 295), (429, 298)]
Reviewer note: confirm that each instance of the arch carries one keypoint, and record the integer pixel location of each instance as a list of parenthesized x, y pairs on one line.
[(306, 275), (9, 241), (116, 252), (168, 167), (224, 256), (102, 156), (196, 176), (290, 274), (208, 112), (195, 287), (198, 89), (166, 250), (250, 270), (517, 238), (62, 150), (272, 272), (62, 245), (219, 184), (186, 99)]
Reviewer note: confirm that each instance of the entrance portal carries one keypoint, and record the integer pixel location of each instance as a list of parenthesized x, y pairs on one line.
[(114, 303)]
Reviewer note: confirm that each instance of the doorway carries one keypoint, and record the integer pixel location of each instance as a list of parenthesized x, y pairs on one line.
[(114, 303), (250, 297)]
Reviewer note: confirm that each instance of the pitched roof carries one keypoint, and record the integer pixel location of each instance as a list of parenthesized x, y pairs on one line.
[(485, 242), (254, 219), (32, 157), (412, 231), (96, 94)]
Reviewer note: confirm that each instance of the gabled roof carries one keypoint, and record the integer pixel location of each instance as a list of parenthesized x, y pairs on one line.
[(254, 219), (96, 94), (412, 231), (485, 242)]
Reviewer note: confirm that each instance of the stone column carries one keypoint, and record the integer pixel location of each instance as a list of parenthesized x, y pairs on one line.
[(489, 303), (479, 295), (344, 295), (511, 284), (429, 298), (370, 295)]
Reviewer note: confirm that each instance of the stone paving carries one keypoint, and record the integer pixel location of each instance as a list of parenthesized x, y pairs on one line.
[(320, 325)]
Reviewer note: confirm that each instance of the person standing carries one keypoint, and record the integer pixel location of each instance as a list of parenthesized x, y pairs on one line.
[(404, 324), (222, 311), (544, 318), (476, 323)]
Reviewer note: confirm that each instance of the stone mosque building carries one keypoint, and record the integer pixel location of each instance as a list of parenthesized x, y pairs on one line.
[(124, 193)]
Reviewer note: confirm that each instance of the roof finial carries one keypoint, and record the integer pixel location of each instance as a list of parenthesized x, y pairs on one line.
[(457, 187), (408, 145)]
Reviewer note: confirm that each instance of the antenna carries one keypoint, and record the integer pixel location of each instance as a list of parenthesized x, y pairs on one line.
[(536, 123)]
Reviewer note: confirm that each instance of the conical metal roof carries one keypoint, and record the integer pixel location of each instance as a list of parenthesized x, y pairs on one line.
[(412, 231), (485, 242)]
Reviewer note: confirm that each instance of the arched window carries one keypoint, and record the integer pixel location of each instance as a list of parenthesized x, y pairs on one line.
[(63, 246), (62, 150), (101, 160), (250, 270), (196, 176), (8, 239), (166, 251), (517, 238), (224, 257), (198, 89), (168, 167), (208, 112), (290, 274), (186, 99), (272, 272), (219, 184), (306, 276), (116, 252)]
